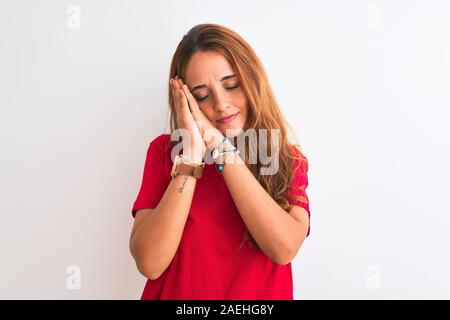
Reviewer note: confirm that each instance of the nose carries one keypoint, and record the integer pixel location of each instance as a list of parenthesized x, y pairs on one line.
[(220, 103)]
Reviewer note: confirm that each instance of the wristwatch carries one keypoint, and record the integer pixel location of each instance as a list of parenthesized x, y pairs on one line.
[(182, 167)]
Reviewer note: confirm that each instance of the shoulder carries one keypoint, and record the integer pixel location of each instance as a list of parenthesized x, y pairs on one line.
[(160, 142), (159, 146)]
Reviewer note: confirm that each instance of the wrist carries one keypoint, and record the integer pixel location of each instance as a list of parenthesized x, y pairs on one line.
[(226, 144), (221, 142), (232, 157)]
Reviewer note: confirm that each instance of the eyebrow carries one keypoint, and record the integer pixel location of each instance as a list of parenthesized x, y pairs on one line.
[(204, 86)]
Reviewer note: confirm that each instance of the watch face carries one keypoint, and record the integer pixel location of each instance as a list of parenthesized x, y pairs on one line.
[(198, 171)]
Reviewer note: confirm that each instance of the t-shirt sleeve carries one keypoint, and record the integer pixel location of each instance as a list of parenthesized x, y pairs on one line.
[(299, 185), (155, 178)]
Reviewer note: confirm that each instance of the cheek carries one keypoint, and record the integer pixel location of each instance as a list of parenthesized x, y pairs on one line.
[(243, 106), (241, 101)]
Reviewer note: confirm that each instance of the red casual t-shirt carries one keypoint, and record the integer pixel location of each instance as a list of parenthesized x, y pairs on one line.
[(208, 263)]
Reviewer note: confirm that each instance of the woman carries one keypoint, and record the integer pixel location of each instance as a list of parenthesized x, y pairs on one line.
[(222, 229)]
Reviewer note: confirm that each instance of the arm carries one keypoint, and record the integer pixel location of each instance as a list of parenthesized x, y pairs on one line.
[(157, 233), (279, 234)]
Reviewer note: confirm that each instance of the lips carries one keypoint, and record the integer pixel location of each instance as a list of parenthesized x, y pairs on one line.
[(228, 119)]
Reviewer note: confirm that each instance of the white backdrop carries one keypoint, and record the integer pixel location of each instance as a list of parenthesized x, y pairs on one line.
[(364, 83)]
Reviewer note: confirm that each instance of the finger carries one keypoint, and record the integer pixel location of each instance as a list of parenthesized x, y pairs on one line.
[(182, 97), (178, 96), (198, 115), (179, 84), (183, 87), (192, 102), (176, 82), (183, 103), (193, 106), (174, 95)]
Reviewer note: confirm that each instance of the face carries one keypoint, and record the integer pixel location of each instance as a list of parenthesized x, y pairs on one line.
[(217, 90)]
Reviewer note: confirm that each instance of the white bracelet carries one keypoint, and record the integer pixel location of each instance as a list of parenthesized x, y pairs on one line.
[(218, 155), (191, 162)]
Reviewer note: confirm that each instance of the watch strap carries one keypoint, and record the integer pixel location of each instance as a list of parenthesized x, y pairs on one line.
[(179, 167)]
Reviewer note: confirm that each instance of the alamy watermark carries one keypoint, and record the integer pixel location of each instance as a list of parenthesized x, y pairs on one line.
[(73, 21), (374, 18), (258, 143), (373, 280), (73, 281)]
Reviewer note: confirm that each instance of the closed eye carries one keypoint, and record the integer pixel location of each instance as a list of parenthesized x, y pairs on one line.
[(203, 98)]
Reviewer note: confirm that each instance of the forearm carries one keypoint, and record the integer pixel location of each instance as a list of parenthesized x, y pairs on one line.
[(156, 240), (270, 226)]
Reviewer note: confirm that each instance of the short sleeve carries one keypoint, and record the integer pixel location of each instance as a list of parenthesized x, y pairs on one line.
[(155, 178), (299, 185)]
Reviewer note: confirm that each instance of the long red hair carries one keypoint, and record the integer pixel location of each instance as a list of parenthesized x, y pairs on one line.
[(264, 111)]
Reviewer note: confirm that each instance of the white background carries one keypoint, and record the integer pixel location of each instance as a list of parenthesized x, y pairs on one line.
[(364, 83)]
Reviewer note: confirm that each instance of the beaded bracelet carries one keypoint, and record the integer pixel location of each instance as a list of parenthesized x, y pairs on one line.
[(220, 167), (217, 152)]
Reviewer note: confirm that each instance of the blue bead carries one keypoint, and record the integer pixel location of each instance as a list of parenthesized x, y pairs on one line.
[(220, 168)]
